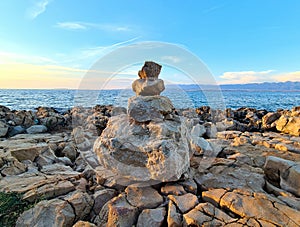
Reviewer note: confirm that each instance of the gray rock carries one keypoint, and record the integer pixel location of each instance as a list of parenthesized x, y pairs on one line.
[(143, 197), (172, 189), (27, 151), (55, 212), (83, 224), (147, 108), (101, 197), (118, 110), (184, 202), (35, 129), (174, 217), (144, 152), (283, 173), (81, 202), (261, 206), (3, 129), (121, 213), (146, 87), (204, 214), (16, 130), (151, 217)]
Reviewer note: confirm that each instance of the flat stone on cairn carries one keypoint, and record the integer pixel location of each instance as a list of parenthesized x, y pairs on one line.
[(148, 105), (150, 142), (149, 84)]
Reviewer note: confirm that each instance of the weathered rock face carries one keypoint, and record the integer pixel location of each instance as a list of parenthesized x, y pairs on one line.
[(142, 152), (283, 173), (54, 212), (151, 142), (143, 109)]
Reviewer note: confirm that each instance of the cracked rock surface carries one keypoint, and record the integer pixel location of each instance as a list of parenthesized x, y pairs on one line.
[(236, 177)]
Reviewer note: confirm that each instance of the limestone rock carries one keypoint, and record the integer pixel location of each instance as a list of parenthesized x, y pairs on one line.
[(184, 202), (289, 125), (121, 213), (268, 119), (151, 217), (49, 190), (27, 151), (81, 202), (55, 212), (283, 173), (16, 130), (147, 108), (174, 218), (101, 197), (83, 224), (35, 129), (148, 87), (172, 189), (3, 129), (143, 152), (231, 178), (143, 197), (9, 165), (260, 206), (204, 214)]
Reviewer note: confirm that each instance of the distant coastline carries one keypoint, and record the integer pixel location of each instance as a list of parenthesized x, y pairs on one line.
[(287, 86)]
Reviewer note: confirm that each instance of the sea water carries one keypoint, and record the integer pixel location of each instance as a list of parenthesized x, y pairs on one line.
[(28, 99)]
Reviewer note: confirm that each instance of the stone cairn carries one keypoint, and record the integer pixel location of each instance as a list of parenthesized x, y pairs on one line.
[(150, 142)]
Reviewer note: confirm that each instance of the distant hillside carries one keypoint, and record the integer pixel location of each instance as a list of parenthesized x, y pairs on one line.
[(266, 86)]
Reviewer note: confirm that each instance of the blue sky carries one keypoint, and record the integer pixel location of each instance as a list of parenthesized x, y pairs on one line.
[(52, 43)]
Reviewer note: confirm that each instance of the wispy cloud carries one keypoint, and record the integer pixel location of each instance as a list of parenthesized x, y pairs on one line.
[(213, 8), (37, 8), (9, 57), (77, 25), (99, 50), (71, 26)]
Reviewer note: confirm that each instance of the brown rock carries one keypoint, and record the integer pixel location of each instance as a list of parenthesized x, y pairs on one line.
[(150, 70)]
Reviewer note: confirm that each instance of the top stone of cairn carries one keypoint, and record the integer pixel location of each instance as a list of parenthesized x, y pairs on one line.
[(149, 84)]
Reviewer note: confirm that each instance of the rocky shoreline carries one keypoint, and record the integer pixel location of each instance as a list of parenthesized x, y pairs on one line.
[(245, 171)]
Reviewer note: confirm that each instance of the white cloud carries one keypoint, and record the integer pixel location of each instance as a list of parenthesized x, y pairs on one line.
[(243, 77), (37, 8), (290, 76), (71, 26), (77, 25)]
